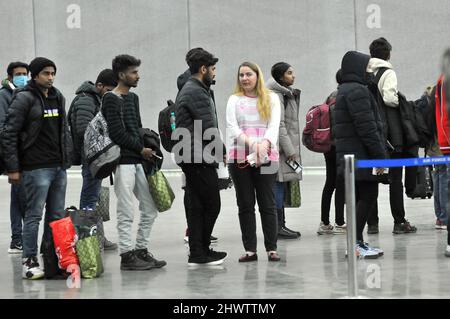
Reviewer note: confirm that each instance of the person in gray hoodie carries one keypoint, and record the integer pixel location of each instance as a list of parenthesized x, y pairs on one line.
[(283, 78)]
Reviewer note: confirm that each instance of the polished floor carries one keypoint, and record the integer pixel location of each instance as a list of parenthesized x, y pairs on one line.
[(414, 265)]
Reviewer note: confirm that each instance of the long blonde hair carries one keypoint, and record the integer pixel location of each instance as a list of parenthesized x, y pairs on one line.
[(263, 94)]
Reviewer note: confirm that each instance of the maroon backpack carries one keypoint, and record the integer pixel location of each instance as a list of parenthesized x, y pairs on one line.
[(317, 132)]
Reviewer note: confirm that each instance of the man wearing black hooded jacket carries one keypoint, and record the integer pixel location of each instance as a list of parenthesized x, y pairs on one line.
[(358, 130)]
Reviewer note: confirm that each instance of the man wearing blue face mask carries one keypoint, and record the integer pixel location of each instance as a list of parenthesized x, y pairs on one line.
[(17, 78)]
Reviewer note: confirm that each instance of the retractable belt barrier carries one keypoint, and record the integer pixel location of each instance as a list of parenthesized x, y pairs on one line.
[(350, 164), (416, 161)]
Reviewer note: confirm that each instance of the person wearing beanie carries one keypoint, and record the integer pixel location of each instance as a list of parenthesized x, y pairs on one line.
[(283, 78), (37, 149), (17, 78), (83, 108)]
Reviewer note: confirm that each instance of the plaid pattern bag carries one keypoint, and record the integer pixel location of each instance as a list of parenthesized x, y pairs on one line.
[(88, 253), (161, 191), (103, 203), (292, 196)]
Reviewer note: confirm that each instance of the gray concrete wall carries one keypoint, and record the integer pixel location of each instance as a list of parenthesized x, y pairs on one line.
[(312, 35)]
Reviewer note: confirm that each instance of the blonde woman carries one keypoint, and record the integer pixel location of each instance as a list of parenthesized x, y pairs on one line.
[(253, 121)]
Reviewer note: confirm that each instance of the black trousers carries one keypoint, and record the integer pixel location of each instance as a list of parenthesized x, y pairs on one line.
[(248, 182), (202, 192), (396, 199), (332, 183), (366, 199)]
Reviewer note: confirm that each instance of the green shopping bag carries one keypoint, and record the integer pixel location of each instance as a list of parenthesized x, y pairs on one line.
[(292, 196), (161, 191), (103, 203), (88, 252)]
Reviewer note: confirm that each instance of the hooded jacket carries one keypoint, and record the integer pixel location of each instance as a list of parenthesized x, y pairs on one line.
[(6, 93), (82, 110), (289, 136), (388, 81), (357, 124), (23, 125)]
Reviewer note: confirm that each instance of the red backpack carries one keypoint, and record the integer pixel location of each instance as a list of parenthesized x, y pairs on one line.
[(317, 132)]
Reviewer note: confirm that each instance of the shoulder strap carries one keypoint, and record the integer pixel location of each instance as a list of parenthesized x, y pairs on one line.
[(380, 74)]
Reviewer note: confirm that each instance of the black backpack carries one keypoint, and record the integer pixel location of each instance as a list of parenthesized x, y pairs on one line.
[(164, 126), (413, 123)]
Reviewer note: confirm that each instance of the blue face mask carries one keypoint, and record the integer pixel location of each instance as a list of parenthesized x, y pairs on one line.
[(20, 80)]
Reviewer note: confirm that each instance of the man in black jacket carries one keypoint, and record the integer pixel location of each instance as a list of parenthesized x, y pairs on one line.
[(121, 111), (199, 157), (17, 78), (358, 130), (84, 107), (37, 150)]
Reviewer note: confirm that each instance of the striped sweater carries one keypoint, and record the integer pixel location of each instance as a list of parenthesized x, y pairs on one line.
[(243, 118)]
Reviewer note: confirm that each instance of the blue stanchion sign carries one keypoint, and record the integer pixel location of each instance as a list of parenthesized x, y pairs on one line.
[(417, 161)]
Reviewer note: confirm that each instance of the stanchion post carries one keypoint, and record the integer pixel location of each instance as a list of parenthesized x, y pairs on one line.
[(351, 224)]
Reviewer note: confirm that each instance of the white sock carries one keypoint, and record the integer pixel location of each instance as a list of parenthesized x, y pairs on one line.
[(250, 253), (448, 248), (272, 252)]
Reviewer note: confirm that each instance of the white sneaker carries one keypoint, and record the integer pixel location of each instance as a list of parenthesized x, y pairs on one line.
[(379, 251), (31, 269), (363, 251), (325, 229), (340, 230)]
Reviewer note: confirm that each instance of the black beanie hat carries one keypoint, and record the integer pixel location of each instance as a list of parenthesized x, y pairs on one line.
[(279, 69), (38, 64), (107, 77)]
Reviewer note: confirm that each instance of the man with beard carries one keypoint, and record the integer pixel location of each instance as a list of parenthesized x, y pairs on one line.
[(196, 116), (121, 110)]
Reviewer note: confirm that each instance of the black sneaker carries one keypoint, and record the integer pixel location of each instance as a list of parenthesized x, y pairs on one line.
[(205, 260), (404, 228), (372, 229), (217, 254), (284, 234), (143, 254), (131, 262), (291, 231), (15, 247)]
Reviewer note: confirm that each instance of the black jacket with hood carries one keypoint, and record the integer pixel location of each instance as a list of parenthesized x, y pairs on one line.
[(357, 125), (24, 122), (83, 108)]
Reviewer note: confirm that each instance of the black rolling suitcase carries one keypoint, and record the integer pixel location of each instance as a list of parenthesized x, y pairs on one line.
[(424, 187)]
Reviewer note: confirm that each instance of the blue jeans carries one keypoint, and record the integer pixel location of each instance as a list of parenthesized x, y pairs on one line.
[(279, 195), (16, 214), (45, 186), (440, 184), (90, 190)]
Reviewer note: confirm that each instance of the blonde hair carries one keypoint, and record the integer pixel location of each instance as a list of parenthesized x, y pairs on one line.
[(262, 93)]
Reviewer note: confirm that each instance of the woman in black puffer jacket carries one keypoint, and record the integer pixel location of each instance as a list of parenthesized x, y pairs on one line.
[(358, 130)]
